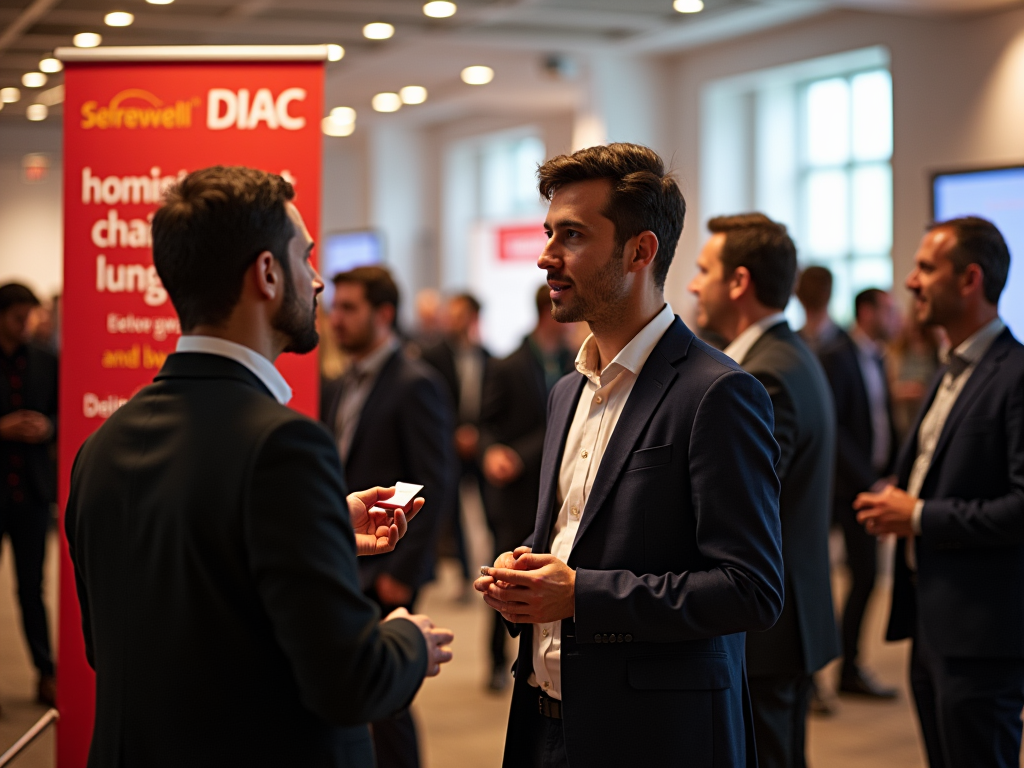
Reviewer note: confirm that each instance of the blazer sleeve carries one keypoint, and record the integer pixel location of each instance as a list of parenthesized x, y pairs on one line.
[(852, 463), (500, 412), (350, 667), (735, 498), (71, 531), (784, 410), (996, 522)]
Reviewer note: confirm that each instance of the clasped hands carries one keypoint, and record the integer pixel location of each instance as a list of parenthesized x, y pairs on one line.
[(376, 531), (890, 510), (529, 589)]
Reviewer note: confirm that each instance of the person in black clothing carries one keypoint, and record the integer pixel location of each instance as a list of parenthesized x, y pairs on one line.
[(512, 425), (28, 418), (865, 454)]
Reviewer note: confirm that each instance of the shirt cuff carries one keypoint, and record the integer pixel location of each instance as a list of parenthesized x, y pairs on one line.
[(915, 517)]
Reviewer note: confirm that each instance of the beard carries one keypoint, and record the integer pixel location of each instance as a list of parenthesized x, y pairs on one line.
[(296, 321), (597, 302)]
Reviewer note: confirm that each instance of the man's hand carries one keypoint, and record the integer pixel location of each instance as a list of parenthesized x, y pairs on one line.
[(391, 591), (501, 465), (504, 560), (467, 441), (889, 511), (438, 640), (376, 531), (25, 427), (537, 589)]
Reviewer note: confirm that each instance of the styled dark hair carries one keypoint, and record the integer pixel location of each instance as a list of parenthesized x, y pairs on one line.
[(378, 285), (814, 287), (212, 226), (643, 197), (978, 241), (13, 294), (754, 241), (867, 298)]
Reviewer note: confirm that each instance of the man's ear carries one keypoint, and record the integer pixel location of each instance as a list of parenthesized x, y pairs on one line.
[(641, 250), (739, 283), (386, 315), (267, 276), (972, 279)]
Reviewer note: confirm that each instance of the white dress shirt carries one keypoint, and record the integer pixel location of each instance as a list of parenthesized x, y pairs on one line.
[(970, 351), (601, 402), (740, 347), (260, 366), (869, 358)]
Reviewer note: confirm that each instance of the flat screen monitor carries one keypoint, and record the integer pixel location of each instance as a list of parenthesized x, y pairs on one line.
[(342, 251), (997, 195)]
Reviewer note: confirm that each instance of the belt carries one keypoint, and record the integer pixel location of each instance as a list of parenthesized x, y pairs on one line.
[(549, 707)]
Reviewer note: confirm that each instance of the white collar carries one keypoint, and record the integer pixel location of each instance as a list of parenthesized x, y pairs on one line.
[(260, 366), (631, 357), (974, 347), (742, 344)]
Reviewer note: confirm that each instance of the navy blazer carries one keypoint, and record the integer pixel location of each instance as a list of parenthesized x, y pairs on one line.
[(678, 554), (969, 593)]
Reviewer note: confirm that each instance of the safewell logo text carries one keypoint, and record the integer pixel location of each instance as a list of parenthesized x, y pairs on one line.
[(135, 108)]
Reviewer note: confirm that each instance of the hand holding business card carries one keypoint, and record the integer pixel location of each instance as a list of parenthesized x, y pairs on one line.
[(380, 516)]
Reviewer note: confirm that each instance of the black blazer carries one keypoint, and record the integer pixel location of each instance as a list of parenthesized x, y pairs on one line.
[(441, 357), (804, 638), (404, 435), (216, 572), (854, 435), (39, 391), (969, 595), (514, 413), (678, 554)]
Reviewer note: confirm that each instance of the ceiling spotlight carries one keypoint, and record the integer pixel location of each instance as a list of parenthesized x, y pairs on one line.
[(87, 40), (387, 102), (51, 65), (343, 115), (688, 6), (335, 52), (439, 9), (159, 2), (36, 112), (413, 94), (118, 19), (378, 30), (33, 79), (330, 127), (477, 75), (9, 95)]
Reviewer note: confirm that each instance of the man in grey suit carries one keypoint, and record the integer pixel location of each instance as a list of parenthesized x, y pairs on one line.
[(745, 276)]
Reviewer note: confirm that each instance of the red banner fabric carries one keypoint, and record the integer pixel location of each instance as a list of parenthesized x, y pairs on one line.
[(130, 130)]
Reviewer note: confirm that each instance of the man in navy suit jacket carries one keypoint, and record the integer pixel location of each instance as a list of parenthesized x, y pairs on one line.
[(958, 587), (657, 542)]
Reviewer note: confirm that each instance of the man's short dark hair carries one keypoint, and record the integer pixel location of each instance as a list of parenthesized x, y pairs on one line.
[(763, 246), (212, 226), (643, 197), (867, 298), (814, 287), (978, 241), (378, 285), (470, 299), (13, 294)]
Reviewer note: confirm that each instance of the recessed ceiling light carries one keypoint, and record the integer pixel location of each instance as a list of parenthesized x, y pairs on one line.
[(413, 94), (87, 40), (378, 30), (36, 112), (33, 79), (688, 6), (159, 2), (343, 115), (118, 19), (387, 102), (477, 75), (335, 52), (331, 127), (9, 95), (51, 65), (440, 9)]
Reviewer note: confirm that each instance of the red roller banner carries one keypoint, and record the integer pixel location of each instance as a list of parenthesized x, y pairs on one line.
[(135, 120)]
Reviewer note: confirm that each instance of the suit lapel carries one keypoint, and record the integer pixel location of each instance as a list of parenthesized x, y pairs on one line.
[(554, 444), (373, 401), (908, 452)]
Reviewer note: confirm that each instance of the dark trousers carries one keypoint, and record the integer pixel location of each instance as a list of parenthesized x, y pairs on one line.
[(779, 705), (862, 560), (547, 738), (26, 525), (969, 709), (394, 738)]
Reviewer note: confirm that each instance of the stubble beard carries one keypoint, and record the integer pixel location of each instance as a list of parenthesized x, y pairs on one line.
[(601, 303), (296, 322)]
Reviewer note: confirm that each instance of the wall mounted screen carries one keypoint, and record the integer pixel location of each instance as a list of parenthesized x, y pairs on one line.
[(996, 195), (342, 251)]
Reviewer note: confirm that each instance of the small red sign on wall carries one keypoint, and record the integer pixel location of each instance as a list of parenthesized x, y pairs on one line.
[(521, 243)]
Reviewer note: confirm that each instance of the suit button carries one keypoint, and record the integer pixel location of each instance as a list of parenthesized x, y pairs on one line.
[(604, 638), (597, 638), (620, 638), (611, 638), (629, 638)]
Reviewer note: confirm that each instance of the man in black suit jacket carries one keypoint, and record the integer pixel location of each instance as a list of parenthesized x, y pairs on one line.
[(958, 508), (208, 525), (650, 559), (865, 453), (393, 422), (744, 277), (28, 418), (513, 421)]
